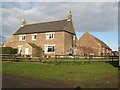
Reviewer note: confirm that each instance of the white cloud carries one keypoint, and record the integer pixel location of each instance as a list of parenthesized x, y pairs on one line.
[(60, 0), (86, 16)]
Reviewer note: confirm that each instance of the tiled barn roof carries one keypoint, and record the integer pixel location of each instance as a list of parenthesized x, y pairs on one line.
[(101, 42), (98, 40)]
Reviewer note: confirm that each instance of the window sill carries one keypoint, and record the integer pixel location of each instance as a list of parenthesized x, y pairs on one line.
[(49, 52), (21, 40), (50, 39)]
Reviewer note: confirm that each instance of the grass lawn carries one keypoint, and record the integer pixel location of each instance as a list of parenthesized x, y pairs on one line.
[(72, 74)]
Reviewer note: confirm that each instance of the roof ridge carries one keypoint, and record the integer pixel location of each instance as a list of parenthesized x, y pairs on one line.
[(97, 39), (83, 35), (50, 26), (100, 41), (45, 22)]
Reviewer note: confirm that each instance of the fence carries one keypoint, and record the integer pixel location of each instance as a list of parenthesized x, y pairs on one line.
[(12, 57), (8, 57)]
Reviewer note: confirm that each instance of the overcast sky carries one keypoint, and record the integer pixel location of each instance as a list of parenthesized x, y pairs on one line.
[(99, 18)]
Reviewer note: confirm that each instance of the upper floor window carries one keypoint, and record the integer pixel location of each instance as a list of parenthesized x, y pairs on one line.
[(34, 36), (22, 37), (49, 35)]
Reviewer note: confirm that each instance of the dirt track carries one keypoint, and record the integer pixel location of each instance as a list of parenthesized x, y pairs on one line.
[(9, 81)]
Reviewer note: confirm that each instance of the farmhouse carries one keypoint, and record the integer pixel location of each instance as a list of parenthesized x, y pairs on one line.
[(90, 45), (54, 37)]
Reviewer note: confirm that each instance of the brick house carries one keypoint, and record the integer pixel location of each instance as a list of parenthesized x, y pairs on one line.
[(90, 45), (54, 37)]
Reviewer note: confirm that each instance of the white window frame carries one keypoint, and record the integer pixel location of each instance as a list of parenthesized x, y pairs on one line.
[(48, 36), (21, 37), (46, 48), (33, 36)]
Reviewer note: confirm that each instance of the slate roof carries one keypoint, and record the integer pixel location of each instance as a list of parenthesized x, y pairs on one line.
[(33, 45), (43, 27), (101, 42)]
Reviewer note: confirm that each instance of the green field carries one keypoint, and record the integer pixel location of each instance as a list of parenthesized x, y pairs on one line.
[(97, 74)]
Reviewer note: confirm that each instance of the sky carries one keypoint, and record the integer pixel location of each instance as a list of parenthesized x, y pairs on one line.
[(98, 18)]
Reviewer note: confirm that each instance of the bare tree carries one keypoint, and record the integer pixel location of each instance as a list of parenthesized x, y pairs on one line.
[(73, 51), (2, 40)]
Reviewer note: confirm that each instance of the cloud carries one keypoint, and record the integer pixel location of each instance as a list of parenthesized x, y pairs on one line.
[(87, 16), (60, 0), (97, 17)]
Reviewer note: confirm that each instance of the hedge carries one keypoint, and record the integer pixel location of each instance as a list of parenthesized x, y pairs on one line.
[(8, 50)]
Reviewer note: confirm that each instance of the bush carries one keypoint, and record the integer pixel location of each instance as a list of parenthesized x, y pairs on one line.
[(14, 51), (8, 50)]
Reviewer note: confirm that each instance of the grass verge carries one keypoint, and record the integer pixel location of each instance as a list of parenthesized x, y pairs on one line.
[(94, 74)]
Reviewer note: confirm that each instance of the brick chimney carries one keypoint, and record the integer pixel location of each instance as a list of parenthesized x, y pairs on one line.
[(69, 16), (23, 23)]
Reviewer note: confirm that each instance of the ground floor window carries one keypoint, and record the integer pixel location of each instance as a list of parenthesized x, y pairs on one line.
[(49, 48)]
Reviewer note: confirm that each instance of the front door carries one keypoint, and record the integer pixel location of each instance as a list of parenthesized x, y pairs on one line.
[(26, 51)]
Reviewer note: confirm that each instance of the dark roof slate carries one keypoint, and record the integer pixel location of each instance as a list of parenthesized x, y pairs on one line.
[(43, 27), (33, 45), (101, 42)]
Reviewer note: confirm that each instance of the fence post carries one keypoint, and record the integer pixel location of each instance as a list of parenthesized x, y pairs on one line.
[(74, 57), (112, 58), (89, 59)]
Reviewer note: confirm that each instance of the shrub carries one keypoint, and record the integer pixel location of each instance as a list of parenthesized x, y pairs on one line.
[(8, 50), (14, 51)]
